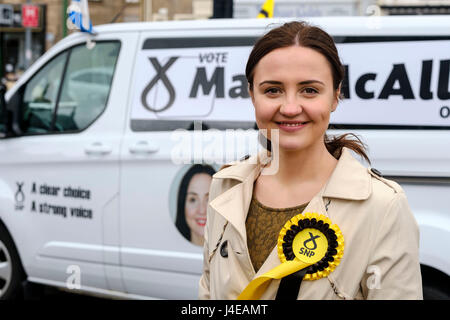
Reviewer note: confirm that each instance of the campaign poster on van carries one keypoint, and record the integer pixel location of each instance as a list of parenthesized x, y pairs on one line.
[(402, 83), (393, 83), (192, 83)]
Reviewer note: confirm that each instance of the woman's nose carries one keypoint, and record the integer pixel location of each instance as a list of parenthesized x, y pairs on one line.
[(291, 107), (202, 209)]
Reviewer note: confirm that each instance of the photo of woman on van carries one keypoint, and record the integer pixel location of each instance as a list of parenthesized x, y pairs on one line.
[(294, 76), (192, 201)]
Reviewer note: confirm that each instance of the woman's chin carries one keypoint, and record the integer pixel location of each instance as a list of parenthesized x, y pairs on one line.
[(291, 146)]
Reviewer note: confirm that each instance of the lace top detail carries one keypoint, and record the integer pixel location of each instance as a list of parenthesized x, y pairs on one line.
[(263, 225)]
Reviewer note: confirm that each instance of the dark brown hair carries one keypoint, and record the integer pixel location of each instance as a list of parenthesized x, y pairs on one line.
[(300, 33)]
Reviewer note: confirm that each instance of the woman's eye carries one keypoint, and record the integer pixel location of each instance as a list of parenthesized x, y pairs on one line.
[(191, 199), (310, 90), (272, 91)]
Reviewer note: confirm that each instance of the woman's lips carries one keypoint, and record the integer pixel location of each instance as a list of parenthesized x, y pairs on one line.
[(201, 222), (291, 126)]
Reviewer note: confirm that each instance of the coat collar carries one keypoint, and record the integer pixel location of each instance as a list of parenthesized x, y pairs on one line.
[(349, 181), (241, 170)]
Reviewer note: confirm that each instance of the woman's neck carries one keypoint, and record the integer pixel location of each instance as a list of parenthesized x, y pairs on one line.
[(196, 239), (314, 163)]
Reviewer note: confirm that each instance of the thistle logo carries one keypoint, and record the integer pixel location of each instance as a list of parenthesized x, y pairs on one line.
[(311, 239), (19, 196), (160, 75)]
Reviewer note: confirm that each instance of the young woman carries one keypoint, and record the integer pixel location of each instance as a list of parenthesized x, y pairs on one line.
[(295, 75), (192, 202)]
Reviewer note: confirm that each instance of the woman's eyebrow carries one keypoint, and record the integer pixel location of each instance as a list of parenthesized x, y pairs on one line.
[(311, 82), (300, 83), (270, 82)]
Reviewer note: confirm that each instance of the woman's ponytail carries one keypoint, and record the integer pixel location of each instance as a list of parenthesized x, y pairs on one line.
[(335, 144)]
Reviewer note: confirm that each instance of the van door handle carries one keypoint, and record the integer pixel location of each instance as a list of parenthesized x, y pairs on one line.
[(143, 147), (97, 148)]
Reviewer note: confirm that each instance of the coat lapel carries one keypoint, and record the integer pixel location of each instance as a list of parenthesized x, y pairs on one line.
[(233, 204)]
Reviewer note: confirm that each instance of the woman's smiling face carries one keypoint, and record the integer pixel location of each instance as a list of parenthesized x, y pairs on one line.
[(196, 204), (293, 92)]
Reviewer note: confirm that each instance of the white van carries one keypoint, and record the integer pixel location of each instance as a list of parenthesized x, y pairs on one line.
[(94, 176)]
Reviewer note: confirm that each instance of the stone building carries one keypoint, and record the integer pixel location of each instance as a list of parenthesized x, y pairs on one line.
[(52, 22), (52, 17)]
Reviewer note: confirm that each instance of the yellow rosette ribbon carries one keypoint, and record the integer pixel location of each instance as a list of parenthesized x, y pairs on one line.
[(307, 240)]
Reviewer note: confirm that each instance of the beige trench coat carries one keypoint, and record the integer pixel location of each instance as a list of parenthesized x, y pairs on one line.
[(381, 255)]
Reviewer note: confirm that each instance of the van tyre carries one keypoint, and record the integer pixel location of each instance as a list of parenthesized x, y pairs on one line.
[(433, 289), (431, 292), (11, 271)]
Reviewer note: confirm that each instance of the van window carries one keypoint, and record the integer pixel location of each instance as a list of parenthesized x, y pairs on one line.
[(86, 86), (40, 95), (86, 77)]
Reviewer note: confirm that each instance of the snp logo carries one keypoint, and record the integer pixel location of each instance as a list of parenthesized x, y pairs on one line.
[(160, 76), (208, 82), (19, 196)]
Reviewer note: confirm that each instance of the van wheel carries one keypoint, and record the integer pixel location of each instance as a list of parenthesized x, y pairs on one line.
[(434, 293), (11, 272), (435, 284), (434, 290)]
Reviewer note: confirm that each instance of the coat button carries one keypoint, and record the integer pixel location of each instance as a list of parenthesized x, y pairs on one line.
[(224, 249)]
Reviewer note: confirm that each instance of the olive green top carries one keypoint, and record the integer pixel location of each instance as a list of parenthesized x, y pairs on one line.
[(263, 226)]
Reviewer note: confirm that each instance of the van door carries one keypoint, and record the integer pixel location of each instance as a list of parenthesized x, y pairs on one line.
[(63, 165), (165, 172)]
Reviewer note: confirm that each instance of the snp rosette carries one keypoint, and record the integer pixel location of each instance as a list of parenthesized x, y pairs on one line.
[(311, 238)]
